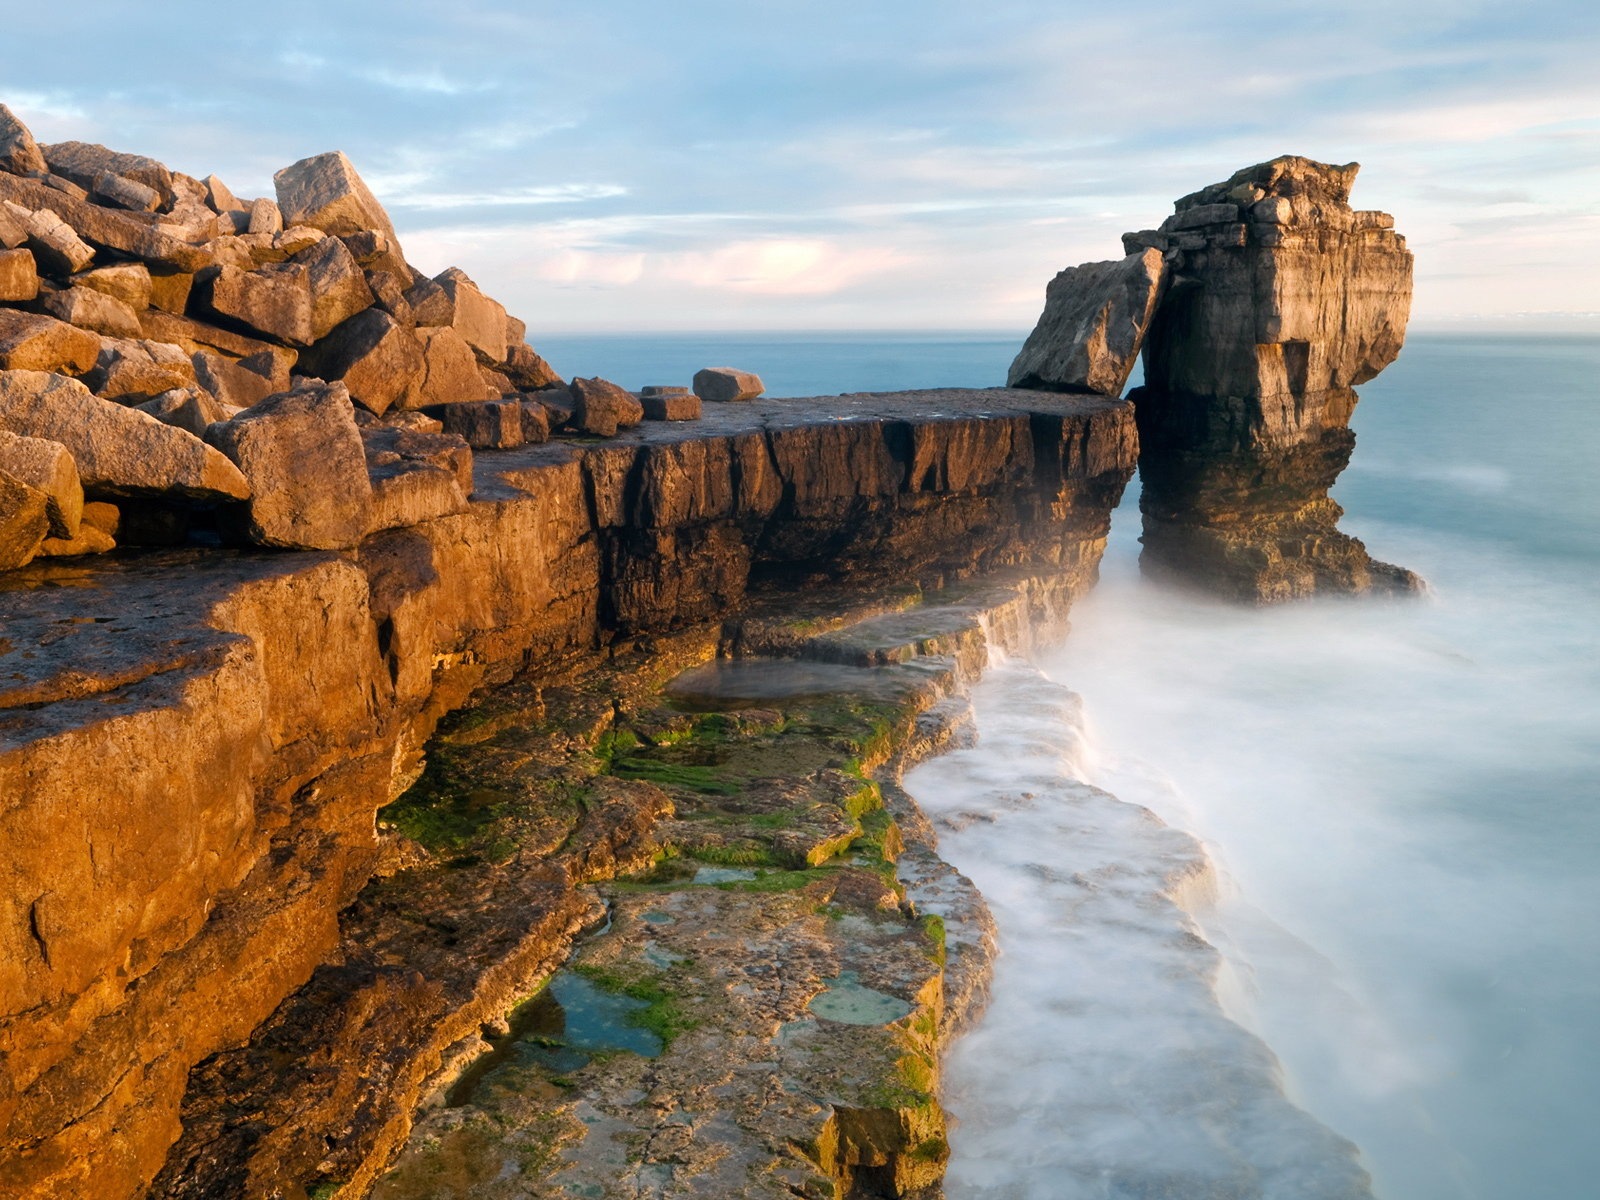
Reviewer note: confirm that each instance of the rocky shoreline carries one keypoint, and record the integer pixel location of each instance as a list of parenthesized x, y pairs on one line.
[(343, 662)]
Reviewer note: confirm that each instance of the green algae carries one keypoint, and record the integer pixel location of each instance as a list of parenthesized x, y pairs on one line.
[(847, 1000)]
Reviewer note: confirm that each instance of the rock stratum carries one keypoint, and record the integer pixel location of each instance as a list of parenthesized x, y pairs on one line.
[(1258, 306)]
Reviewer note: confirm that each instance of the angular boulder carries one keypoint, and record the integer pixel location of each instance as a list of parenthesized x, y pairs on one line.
[(24, 521), (377, 358), (94, 311), (1093, 326), (265, 217), (88, 540), (325, 192), (676, 405), (135, 370), (239, 382), (600, 407), (429, 303), (478, 319), (483, 424), (121, 192), (450, 370), (85, 162), (19, 153), (338, 286), (55, 244), (726, 384), (526, 369), (274, 301), (19, 276), (35, 342), (134, 235), (189, 409), (127, 282), (47, 467), (301, 453), (118, 451)]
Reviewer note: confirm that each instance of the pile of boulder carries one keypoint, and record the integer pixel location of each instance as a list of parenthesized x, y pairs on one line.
[(269, 371)]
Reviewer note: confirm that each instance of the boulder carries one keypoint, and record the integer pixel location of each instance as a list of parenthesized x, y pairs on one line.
[(95, 311), (130, 234), (483, 424), (727, 383), (119, 451), (390, 296), (1093, 326), (447, 451), (429, 303), (377, 358), (13, 226), (535, 422), (239, 382), (301, 453), (477, 318), (368, 247), (36, 342), (498, 383), (102, 515), (24, 523), (127, 282), (558, 402), (186, 408), (450, 371), (55, 244), (19, 276), (19, 153), (121, 192), (338, 287), (526, 369), (221, 198), (170, 289), (325, 192), (135, 370), (675, 405), (84, 162), (88, 540), (47, 467), (600, 407), (274, 301), (265, 217), (195, 335)]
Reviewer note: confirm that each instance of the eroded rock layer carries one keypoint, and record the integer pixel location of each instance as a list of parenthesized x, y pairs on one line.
[(193, 744)]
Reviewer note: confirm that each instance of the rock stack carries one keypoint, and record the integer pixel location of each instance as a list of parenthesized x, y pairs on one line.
[(1257, 306), (273, 370)]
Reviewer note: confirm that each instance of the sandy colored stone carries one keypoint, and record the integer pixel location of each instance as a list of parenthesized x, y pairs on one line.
[(450, 370), (670, 407), (189, 409), (46, 466), (93, 310), (136, 235), (85, 162), (88, 540), (239, 382), (338, 287), (274, 301), (19, 153), (19, 275), (527, 369), (121, 192), (35, 342), (377, 358), (326, 192), (134, 370), (535, 422), (1093, 326), (483, 424), (727, 383), (429, 303), (265, 217), (601, 407), (407, 493), (477, 318), (24, 521), (118, 451), (127, 282), (388, 295), (302, 455), (102, 515), (55, 244)]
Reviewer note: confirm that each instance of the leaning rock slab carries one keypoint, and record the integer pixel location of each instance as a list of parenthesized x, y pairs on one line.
[(19, 153), (48, 467), (1093, 326), (301, 453), (478, 319), (34, 342), (95, 311), (377, 358), (727, 383), (119, 451), (450, 370), (274, 301)]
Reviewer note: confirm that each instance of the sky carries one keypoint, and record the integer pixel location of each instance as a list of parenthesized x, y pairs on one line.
[(623, 165)]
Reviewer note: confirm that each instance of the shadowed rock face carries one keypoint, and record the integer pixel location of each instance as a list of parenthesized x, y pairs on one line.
[(1282, 298)]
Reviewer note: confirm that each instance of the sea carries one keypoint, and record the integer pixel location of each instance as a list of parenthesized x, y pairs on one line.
[(1295, 896)]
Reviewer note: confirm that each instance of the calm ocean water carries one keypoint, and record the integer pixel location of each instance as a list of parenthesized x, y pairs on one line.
[(1402, 799)]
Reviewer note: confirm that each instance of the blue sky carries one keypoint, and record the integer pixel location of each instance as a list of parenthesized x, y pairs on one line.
[(711, 164)]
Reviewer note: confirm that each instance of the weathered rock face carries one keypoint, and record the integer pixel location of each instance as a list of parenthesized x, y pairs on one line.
[(1257, 306), (188, 785), (1094, 322), (1283, 298)]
